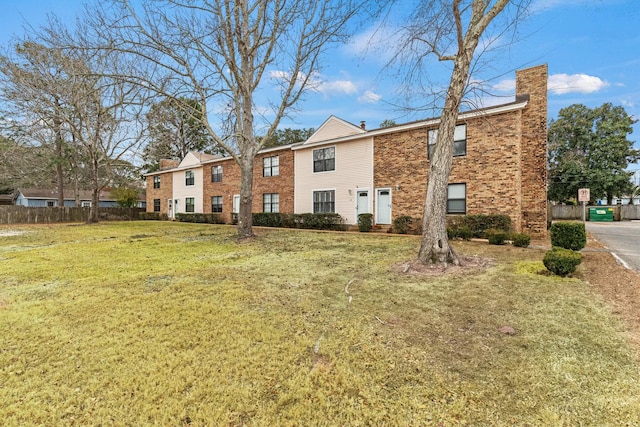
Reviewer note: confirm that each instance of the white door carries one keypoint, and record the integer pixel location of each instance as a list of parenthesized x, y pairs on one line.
[(362, 202), (170, 208), (383, 206), (236, 203)]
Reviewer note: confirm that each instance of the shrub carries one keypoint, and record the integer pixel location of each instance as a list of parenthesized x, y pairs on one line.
[(496, 237), (200, 218), (521, 240), (365, 222), (465, 232), (320, 221), (568, 235), (561, 261), (459, 231), (478, 224), (402, 224), (153, 216), (267, 219)]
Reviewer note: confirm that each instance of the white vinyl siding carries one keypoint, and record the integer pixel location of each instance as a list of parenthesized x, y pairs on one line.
[(181, 190), (353, 171)]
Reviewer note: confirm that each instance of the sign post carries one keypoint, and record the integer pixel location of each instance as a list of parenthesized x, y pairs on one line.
[(584, 196)]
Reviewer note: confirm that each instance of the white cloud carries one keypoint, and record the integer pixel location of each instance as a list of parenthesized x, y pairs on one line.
[(336, 87), (560, 84), (506, 85), (316, 83), (369, 97)]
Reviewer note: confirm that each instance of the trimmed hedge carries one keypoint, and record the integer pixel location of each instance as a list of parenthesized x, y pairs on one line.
[(403, 224), (153, 216), (459, 232), (569, 235), (200, 218), (478, 224), (520, 240), (497, 237), (561, 261), (365, 222), (320, 221)]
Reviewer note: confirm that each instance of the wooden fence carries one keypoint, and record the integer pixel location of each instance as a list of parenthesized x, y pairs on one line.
[(620, 212), (27, 215)]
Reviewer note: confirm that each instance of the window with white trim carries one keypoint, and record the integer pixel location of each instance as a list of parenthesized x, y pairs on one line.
[(457, 199), (271, 166), (189, 178), (216, 204), (271, 202), (156, 205), (324, 201), (324, 159), (190, 204), (156, 181), (216, 174), (459, 141)]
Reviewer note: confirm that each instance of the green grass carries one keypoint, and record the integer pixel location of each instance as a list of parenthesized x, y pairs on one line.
[(158, 323)]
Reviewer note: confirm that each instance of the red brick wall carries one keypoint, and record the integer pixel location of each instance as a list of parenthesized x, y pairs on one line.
[(163, 193), (504, 168), (533, 81), (230, 185)]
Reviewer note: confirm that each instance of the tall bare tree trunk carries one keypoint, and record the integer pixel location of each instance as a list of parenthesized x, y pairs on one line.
[(95, 192), (57, 123), (245, 217), (434, 246)]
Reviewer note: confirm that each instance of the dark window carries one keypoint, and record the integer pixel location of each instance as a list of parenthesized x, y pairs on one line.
[(324, 159), (216, 204), (459, 141), (271, 202), (189, 204), (189, 178), (457, 199), (216, 174), (271, 166), (324, 201), (156, 181), (156, 205)]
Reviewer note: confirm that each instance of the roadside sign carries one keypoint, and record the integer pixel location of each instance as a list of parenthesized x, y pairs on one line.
[(583, 195)]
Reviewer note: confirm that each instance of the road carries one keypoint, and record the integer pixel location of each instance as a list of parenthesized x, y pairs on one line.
[(621, 238)]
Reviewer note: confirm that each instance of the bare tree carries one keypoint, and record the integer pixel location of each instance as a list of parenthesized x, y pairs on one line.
[(32, 85), (451, 30), (101, 109), (224, 55)]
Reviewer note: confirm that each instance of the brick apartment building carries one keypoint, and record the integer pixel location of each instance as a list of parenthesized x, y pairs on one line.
[(499, 167)]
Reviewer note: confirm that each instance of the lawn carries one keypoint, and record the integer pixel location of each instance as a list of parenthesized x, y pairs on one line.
[(172, 324)]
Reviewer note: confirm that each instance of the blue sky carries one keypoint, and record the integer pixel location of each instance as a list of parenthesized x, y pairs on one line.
[(592, 48)]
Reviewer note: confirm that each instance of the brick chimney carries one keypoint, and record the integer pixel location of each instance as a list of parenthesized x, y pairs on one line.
[(531, 85), (168, 164)]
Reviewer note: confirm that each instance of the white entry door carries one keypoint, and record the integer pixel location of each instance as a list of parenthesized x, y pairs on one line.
[(362, 202), (170, 208), (236, 203), (383, 206)]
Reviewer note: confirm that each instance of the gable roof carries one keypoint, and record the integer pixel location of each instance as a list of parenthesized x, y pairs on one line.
[(499, 109), (334, 127)]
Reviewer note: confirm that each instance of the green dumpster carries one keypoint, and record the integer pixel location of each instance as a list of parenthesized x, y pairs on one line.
[(601, 214)]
